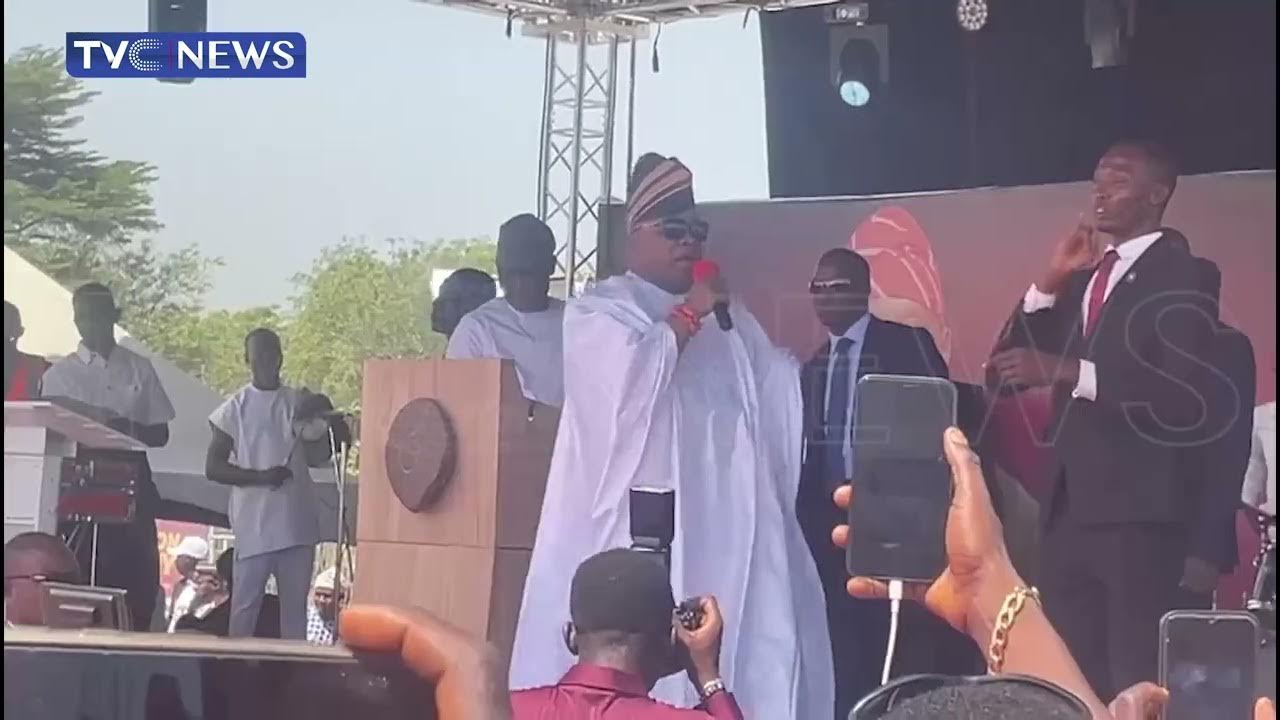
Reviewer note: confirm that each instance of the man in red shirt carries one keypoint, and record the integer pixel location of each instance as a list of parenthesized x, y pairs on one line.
[(626, 637)]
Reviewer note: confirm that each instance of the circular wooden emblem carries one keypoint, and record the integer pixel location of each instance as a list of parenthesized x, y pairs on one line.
[(421, 453)]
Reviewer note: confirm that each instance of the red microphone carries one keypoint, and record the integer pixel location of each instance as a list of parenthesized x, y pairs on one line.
[(707, 271)]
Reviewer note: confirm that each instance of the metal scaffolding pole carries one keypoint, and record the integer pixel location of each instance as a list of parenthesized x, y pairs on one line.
[(580, 78), (576, 153)]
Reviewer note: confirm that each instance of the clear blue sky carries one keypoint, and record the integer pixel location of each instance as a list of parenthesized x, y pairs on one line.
[(414, 121)]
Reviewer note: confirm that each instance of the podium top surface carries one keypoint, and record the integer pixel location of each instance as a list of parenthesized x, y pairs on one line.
[(71, 425)]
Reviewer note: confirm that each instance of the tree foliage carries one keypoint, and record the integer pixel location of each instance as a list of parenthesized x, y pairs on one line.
[(80, 216), (357, 302)]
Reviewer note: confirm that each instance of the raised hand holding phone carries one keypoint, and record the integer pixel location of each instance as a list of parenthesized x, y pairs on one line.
[(976, 555)]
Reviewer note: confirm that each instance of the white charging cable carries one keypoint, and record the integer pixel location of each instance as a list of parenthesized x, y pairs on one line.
[(895, 605)]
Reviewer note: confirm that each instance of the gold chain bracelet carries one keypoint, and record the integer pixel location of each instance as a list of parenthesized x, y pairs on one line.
[(1014, 602)]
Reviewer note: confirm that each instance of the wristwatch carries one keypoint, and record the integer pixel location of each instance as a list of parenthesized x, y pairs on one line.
[(711, 687)]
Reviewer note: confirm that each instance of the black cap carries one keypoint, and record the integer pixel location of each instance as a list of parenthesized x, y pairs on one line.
[(623, 591), (526, 244)]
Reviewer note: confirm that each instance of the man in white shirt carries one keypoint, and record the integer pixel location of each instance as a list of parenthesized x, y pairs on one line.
[(186, 556), (322, 613), (258, 450), (118, 387), (1120, 337), (526, 324), (1260, 479)]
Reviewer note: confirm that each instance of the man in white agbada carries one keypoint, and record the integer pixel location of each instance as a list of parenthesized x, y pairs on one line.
[(655, 396), (525, 324)]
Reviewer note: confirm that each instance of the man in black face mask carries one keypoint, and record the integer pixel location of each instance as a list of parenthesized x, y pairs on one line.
[(525, 325)]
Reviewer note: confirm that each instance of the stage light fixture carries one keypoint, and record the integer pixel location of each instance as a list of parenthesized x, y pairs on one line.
[(972, 14), (858, 78)]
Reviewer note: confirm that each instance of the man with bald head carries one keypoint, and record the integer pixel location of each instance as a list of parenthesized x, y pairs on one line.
[(525, 324), (30, 559), (857, 343), (460, 293)]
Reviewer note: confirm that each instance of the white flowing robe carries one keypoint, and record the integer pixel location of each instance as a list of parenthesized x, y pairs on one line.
[(721, 424)]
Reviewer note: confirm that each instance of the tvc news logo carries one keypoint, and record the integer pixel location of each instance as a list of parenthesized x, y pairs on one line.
[(187, 55)]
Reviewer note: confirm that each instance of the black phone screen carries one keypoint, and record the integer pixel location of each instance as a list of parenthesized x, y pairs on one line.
[(92, 684), (1208, 664), (901, 479)]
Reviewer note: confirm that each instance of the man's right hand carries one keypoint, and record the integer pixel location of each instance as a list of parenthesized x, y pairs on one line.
[(703, 644), (1076, 251), (704, 295), (276, 476)]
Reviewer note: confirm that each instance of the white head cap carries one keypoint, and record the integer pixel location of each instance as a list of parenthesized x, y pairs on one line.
[(325, 580), (191, 546)]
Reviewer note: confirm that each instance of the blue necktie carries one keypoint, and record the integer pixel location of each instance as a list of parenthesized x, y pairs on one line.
[(835, 422)]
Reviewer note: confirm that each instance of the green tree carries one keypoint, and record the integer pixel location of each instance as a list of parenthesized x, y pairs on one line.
[(210, 345), (79, 216), (357, 302)]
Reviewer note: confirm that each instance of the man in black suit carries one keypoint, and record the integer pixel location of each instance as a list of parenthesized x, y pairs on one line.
[(1218, 453), (1120, 338), (858, 344)]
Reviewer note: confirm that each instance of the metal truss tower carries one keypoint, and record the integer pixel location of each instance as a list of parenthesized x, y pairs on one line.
[(576, 155), (584, 39)]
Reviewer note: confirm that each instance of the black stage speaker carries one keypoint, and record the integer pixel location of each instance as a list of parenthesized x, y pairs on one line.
[(181, 16), (1017, 102)]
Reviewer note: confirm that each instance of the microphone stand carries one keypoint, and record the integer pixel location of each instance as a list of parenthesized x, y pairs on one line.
[(342, 551)]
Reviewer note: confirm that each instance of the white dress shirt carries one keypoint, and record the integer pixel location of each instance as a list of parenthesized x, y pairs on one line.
[(857, 333), (124, 384), (266, 519), (1035, 300), (1259, 489), (184, 593), (534, 340)]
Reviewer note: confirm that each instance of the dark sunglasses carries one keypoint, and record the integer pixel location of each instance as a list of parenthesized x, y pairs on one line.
[(677, 229), (817, 287), (888, 697)]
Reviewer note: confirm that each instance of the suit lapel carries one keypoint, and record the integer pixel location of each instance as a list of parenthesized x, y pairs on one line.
[(869, 351), (815, 376)]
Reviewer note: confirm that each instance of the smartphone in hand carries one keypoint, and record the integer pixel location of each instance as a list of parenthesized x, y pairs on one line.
[(1209, 664), (901, 480)]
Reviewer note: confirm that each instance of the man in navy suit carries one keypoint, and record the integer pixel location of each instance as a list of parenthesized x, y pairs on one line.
[(858, 344)]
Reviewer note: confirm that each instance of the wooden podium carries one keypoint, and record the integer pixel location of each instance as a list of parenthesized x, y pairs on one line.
[(465, 553)]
